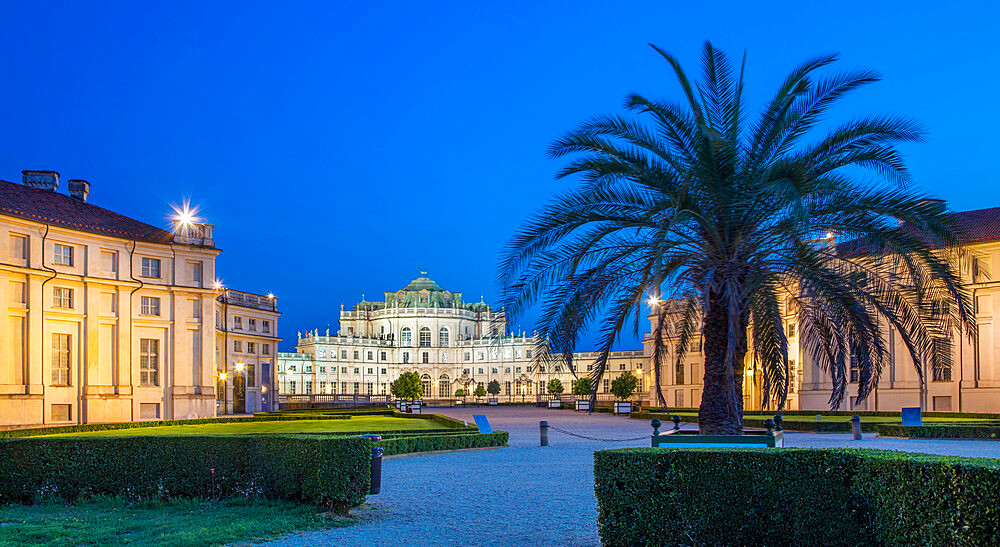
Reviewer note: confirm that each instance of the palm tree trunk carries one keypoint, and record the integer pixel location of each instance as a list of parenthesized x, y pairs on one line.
[(721, 410)]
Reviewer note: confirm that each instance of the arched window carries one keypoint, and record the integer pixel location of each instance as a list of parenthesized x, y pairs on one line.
[(443, 337), (405, 338), (425, 337), (426, 380), (444, 386)]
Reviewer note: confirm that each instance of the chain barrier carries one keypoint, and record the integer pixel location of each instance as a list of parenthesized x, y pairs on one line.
[(570, 433)]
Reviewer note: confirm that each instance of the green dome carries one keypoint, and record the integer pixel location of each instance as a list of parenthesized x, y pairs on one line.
[(423, 283)]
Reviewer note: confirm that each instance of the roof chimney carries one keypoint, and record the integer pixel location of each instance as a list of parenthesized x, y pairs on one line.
[(78, 189), (44, 180)]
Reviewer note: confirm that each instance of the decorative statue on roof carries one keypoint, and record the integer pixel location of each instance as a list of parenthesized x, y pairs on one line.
[(328, 331), (299, 335)]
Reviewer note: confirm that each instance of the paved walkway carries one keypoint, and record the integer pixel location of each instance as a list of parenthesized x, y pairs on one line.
[(526, 493)]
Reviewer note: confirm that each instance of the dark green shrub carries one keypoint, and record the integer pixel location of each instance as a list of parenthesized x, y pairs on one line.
[(427, 443), (331, 472), (986, 430), (794, 497)]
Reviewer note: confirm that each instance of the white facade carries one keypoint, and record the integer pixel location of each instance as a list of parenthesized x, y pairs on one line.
[(451, 344)]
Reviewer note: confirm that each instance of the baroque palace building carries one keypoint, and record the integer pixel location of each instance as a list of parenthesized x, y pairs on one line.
[(451, 343), (108, 318), (971, 385)]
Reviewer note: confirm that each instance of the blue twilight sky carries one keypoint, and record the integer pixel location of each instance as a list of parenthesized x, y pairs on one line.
[(340, 146)]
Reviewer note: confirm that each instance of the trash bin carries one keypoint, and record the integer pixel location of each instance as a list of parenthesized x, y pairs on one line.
[(376, 469)]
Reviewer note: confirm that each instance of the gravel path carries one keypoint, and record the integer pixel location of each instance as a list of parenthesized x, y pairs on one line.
[(527, 493)]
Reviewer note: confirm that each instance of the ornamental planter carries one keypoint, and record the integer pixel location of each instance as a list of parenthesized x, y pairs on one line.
[(555, 403), (623, 407), (678, 438), (583, 405)]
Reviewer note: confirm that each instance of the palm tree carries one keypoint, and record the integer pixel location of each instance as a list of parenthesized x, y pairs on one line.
[(717, 216)]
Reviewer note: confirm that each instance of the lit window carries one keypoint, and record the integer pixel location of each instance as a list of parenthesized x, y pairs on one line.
[(151, 267), (149, 305), (790, 331), (62, 297), (149, 362), (63, 255), (60, 359)]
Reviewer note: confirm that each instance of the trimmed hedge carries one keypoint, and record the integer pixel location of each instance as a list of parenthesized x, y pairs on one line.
[(987, 430), (794, 496), (83, 428), (427, 443), (327, 471)]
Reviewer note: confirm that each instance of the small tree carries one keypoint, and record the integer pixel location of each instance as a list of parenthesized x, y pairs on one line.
[(460, 393), (554, 386), (581, 387), (480, 391), (407, 386), (493, 388), (624, 386)]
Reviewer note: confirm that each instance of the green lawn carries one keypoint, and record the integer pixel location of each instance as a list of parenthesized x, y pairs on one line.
[(181, 522), (359, 424)]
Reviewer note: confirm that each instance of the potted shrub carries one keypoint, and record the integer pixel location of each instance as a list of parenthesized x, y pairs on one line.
[(554, 387), (493, 388), (460, 393), (623, 387), (581, 388)]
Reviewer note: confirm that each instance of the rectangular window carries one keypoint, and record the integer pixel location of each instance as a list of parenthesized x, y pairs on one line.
[(17, 349), (357, 387), (356, 355), (343, 354), (679, 398), (426, 357), (343, 387), (266, 327), (371, 371), (250, 347), (62, 255), (679, 374), (62, 297), (149, 411), (238, 322), (151, 267), (16, 294), (790, 330), (196, 273), (61, 413), (237, 346), (149, 362), (855, 370), (382, 355), (19, 249), (109, 263), (60, 359), (527, 354), (149, 305), (291, 386), (467, 356), (607, 385), (406, 357), (251, 374), (309, 387), (357, 370), (195, 309), (266, 349), (384, 371), (370, 356), (252, 325), (371, 388)]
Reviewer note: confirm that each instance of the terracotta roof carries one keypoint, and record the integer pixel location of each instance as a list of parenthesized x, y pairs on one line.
[(977, 226), (55, 209)]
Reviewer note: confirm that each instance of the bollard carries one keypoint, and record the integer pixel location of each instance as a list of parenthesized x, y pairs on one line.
[(856, 426), (543, 428), (376, 465)]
